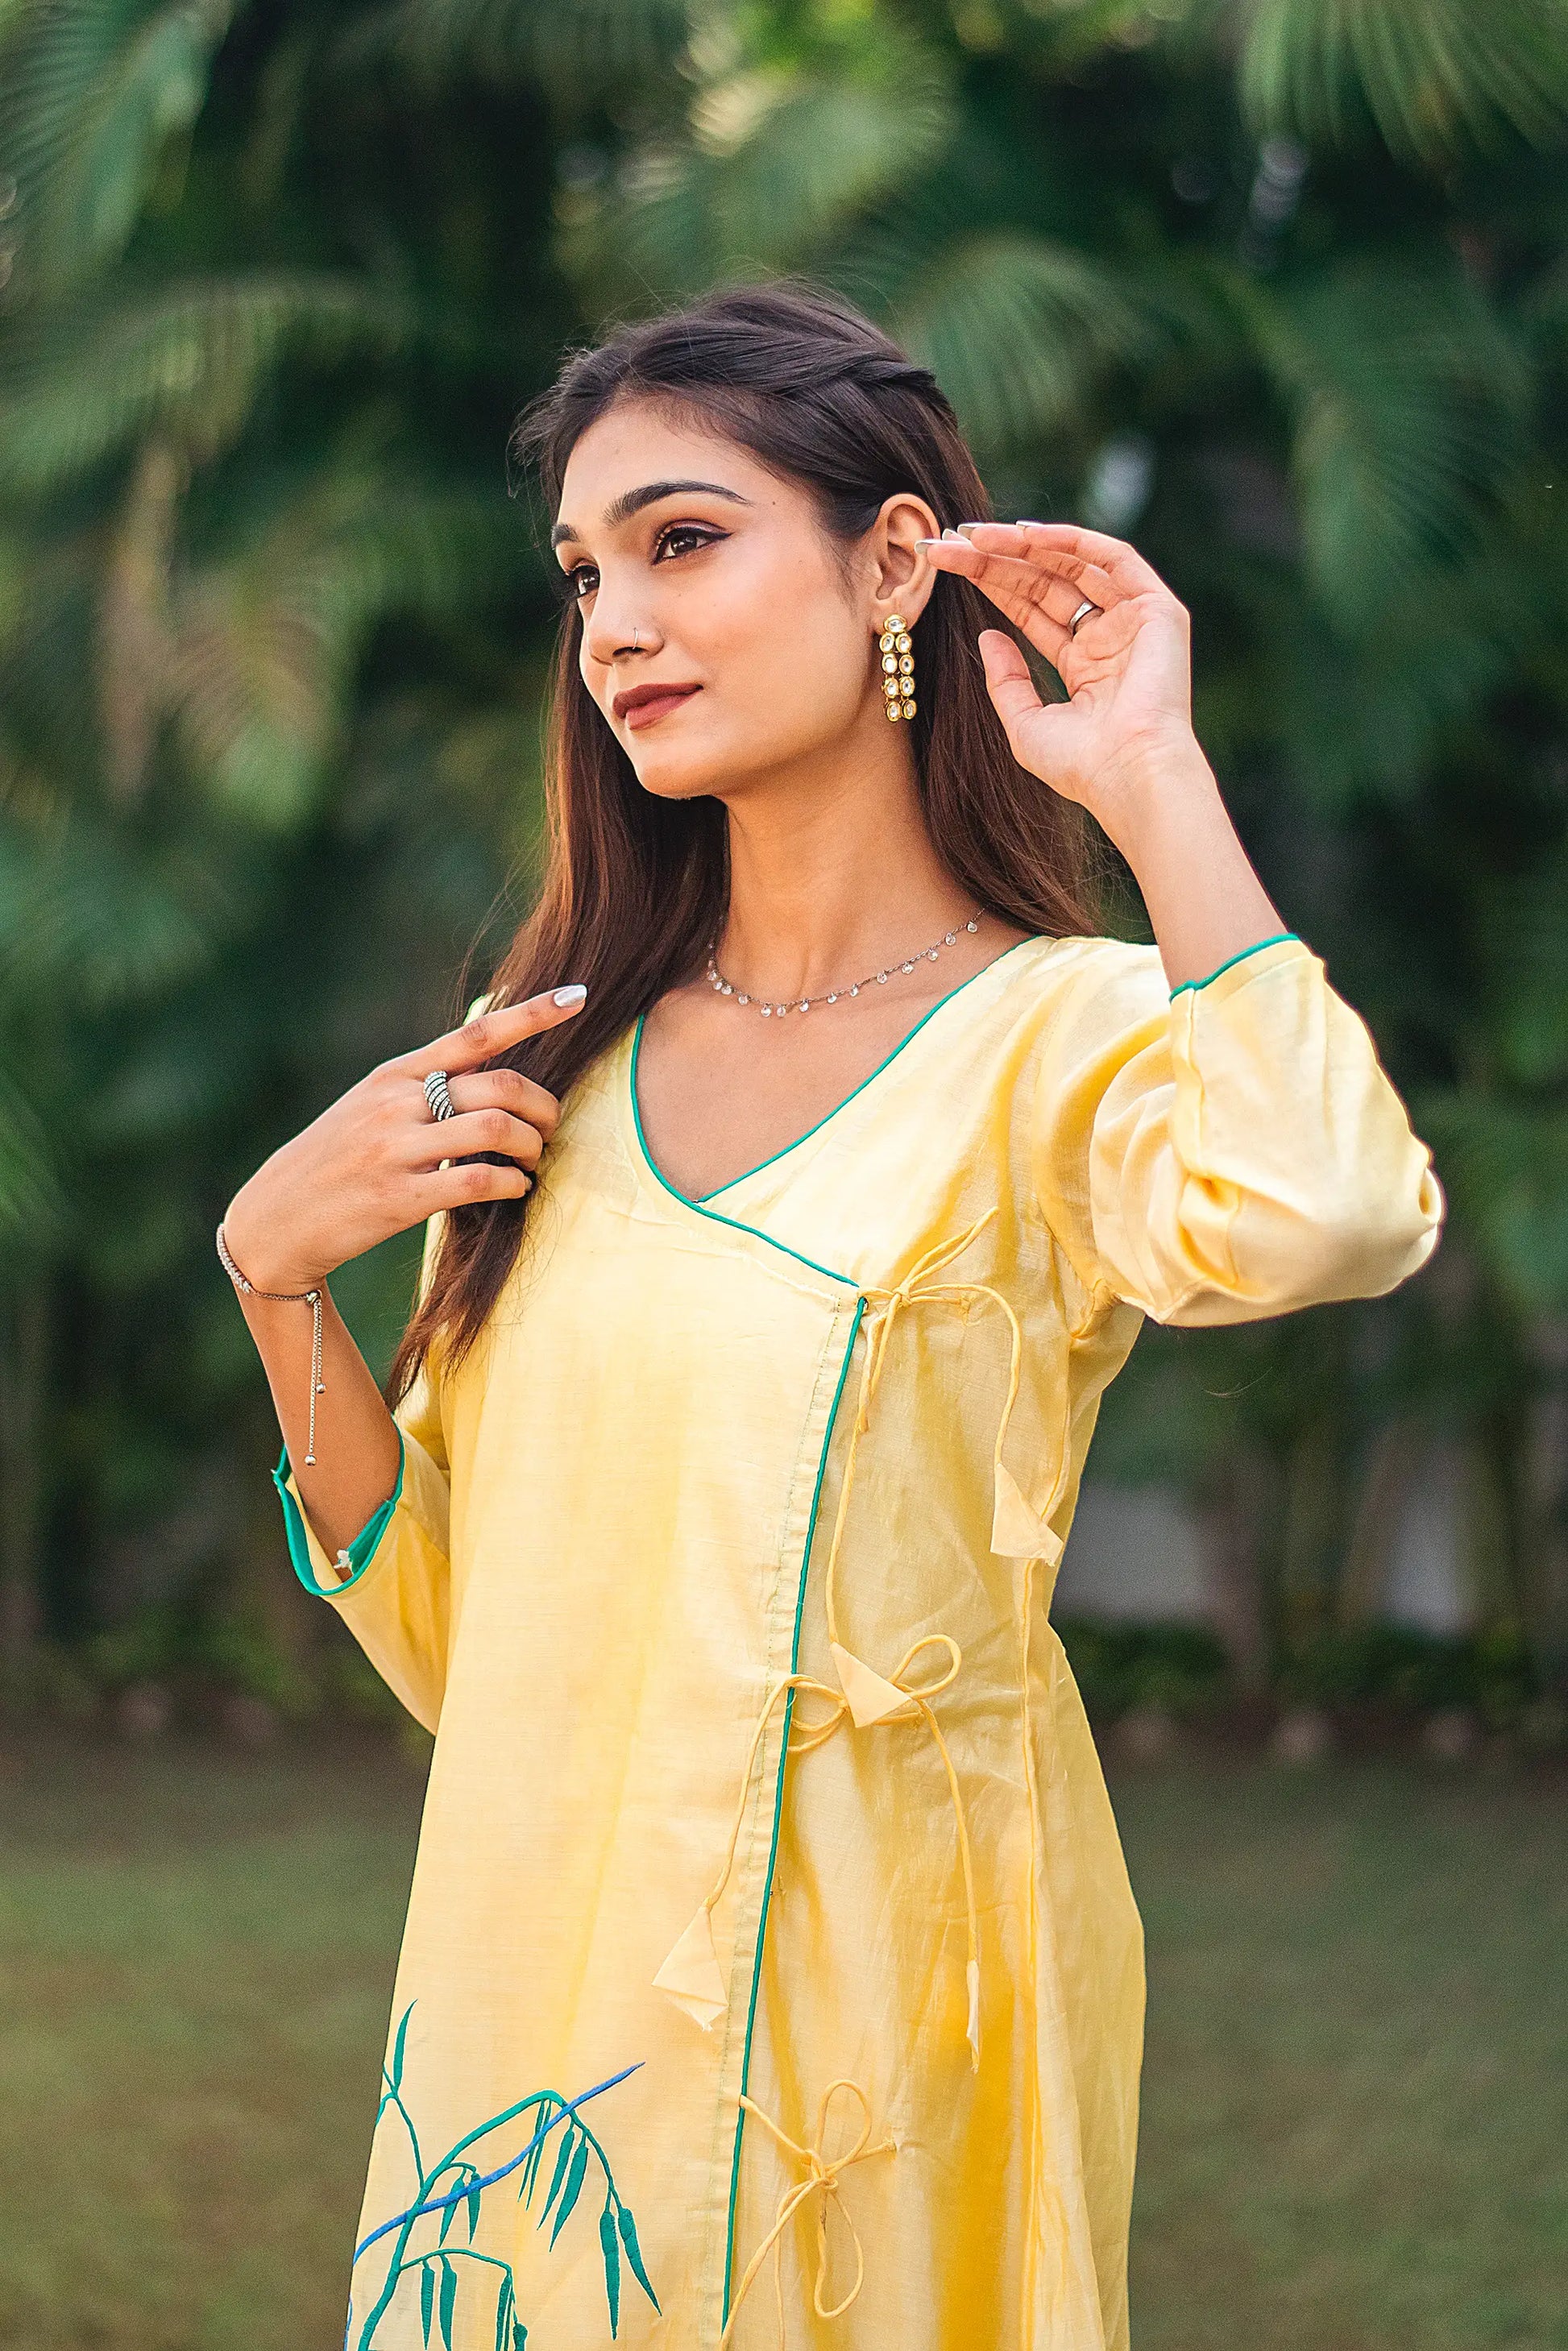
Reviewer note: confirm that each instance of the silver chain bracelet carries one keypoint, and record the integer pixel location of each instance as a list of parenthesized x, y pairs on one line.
[(311, 1298)]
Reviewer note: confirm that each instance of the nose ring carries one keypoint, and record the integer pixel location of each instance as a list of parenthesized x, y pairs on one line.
[(635, 634)]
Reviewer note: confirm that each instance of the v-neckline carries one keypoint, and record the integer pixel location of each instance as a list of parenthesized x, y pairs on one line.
[(701, 1199)]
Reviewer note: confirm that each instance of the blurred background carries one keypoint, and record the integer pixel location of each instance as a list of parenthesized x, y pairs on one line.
[(1279, 289)]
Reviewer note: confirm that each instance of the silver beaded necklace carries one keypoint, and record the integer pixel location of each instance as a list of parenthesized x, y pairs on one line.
[(803, 1003)]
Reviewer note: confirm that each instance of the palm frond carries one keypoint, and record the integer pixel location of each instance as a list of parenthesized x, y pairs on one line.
[(779, 160), (30, 1199), (80, 383), (1015, 327), (1522, 931), (1505, 1163), (92, 918), (264, 641), (93, 92), (577, 49), (1408, 398), (1432, 74)]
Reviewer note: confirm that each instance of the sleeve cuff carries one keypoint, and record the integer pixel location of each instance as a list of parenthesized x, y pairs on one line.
[(1279, 939), (304, 1549)]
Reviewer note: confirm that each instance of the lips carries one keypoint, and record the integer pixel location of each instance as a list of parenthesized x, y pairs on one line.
[(645, 705)]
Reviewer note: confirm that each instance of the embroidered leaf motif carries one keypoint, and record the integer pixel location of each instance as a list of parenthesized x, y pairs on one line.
[(399, 2046), (610, 2244), (456, 2181), (574, 2179), (532, 2168), (562, 2164), (634, 2253)]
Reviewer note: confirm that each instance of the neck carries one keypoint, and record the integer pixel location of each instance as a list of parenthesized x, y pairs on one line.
[(833, 874)]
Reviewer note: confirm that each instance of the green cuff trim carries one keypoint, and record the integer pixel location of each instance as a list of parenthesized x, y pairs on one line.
[(362, 1551), (1230, 962)]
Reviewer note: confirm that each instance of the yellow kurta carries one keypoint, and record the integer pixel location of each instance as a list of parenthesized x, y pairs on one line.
[(617, 1578)]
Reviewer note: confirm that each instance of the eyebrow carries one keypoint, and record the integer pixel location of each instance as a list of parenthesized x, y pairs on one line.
[(631, 502)]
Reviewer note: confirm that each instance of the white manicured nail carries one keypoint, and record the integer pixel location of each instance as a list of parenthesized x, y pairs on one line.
[(572, 994)]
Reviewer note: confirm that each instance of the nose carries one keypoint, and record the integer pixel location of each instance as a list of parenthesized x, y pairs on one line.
[(612, 629)]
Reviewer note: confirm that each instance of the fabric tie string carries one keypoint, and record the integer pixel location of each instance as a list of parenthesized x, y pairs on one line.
[(691, 1975), (822, 2181)]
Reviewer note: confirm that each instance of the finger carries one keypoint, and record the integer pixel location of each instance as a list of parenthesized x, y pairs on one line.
[(1121, 563), (489, 1033), (1012, 689), (505, 1089), (1066, 579), (468, 1182), (476, 1130), (1019, 590), (1070, 577)]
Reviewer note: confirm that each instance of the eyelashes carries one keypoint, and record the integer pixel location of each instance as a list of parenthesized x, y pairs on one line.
[(564, 584)]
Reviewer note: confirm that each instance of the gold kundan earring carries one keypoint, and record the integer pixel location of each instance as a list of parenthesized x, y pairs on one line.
[(898, 666)]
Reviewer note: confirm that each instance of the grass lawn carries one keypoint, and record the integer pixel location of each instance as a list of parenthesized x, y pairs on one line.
[(1355, 2130)]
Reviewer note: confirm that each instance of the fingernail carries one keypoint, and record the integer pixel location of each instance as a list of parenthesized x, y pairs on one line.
[(951, 533), (928, 542), (971, 525), (572, 994)]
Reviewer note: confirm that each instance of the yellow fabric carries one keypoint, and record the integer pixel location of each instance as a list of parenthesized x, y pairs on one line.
[(606, 1586)]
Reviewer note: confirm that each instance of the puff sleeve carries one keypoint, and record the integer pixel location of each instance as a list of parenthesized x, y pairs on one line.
[(1231, 1151), (396, 1595)]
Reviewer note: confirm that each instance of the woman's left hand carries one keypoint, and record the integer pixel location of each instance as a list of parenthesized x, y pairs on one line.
[(1128, 720)]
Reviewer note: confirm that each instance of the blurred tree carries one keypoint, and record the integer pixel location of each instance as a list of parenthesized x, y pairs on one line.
[(1279, 287)]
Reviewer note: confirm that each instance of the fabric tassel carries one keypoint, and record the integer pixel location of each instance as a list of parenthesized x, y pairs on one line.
[(870, 1695), (691, 1974), (1017, 1531)]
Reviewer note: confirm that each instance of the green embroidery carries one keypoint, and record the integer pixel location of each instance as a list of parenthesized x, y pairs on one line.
[(455, 2183)]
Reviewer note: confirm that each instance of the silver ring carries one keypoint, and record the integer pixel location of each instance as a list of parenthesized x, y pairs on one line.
[(635, 634), (436, 1095), (1084, 610)]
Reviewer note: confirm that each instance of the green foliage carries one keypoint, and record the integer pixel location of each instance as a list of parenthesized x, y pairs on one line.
[(95, 96), (1118, 1668), (1414, 1673), (1431, 74), (1279, 287)]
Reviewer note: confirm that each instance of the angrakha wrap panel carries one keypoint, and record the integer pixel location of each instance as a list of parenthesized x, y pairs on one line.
[(782, 1796)]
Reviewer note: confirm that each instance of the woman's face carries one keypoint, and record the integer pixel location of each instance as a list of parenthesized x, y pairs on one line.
[(720, 638)]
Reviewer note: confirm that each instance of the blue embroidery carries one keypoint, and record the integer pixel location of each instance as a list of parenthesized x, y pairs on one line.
[(436, 2265)]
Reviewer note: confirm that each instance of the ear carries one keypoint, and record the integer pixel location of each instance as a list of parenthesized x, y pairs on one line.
[(902, 574)]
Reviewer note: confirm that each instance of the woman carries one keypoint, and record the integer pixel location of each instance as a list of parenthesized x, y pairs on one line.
[(804, 1185)]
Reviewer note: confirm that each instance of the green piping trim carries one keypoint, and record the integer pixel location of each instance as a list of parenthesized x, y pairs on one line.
[(828, 1115), (1278, 940), (363, 1547), (696, 1206), (778, 1801)]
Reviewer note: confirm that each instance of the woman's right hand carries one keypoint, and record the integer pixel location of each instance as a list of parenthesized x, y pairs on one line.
[(369, 1166)]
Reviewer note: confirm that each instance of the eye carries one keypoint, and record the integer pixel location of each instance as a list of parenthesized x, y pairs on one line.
[(571, 586), (692, 532)]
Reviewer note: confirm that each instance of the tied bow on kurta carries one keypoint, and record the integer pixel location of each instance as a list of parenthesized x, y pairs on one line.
[(822, 2181), (691, 1974)]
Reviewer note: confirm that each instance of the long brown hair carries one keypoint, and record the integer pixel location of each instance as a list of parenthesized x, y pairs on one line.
[(634, 885)]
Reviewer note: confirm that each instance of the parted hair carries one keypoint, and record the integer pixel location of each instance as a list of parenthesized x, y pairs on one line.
[(634, 885)]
